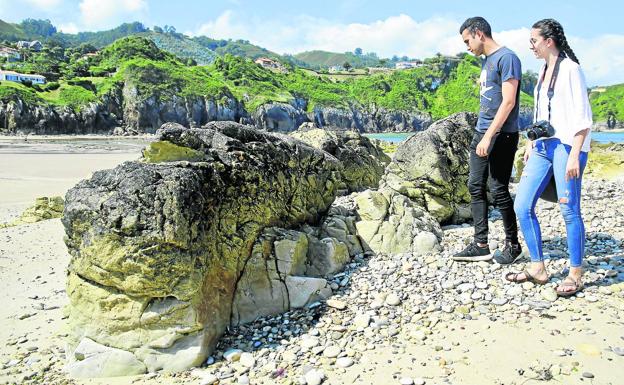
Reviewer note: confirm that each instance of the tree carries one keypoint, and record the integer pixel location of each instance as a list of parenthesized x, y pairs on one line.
[(346, 65), (529, 80), (157, 29), (358, 51), (383, 62)]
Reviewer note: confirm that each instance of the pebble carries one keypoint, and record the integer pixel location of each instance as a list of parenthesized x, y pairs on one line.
[(314, 377), (344, 362), (406, 381), (393, 299), (247, 360), (336, 304), (588, 375), (332, 351), (232, 355)]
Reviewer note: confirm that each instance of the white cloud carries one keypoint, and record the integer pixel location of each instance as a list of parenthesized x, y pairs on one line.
[(46, 5), (108, 13), (601, 57)]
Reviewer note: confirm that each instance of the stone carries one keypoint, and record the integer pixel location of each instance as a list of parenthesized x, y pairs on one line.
[(332, 351), (344, 362), (393, 299), (406, 381), (431, 167), (232, 355), (314, 377), (247, 360), (93, 360), (549, 294), (361, 321), (336, 304), (174, 237)]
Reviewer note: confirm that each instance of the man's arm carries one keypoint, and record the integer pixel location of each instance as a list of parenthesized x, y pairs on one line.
[(509, 89)]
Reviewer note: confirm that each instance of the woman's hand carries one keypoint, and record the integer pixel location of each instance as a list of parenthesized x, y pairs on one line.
[(573, 168), (527, 150)]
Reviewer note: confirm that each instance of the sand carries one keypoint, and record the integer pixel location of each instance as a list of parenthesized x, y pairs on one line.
[(33, 261)]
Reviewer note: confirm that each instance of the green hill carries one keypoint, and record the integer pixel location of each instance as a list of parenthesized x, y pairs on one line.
[(609, 100), (439, 88), (324, 59)]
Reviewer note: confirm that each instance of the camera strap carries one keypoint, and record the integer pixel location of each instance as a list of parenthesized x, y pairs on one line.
[(551, 85)]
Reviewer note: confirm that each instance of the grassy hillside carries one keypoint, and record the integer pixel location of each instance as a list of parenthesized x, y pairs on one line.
[(609, 101), (439, 88), (324, 59)]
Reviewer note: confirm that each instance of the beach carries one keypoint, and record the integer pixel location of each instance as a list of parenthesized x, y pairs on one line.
[(574, 341)]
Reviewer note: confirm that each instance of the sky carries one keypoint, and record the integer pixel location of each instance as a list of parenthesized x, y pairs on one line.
[(414, 28)]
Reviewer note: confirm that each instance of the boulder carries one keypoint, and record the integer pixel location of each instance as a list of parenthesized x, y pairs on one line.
[(363, 163), (159, 246), (432, 167), (391, 223)]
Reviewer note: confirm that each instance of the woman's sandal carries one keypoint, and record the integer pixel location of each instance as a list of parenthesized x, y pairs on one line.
[(569, 282), (513, 277)]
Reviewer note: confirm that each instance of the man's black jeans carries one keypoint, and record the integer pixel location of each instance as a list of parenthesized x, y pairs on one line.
[(497, 166)]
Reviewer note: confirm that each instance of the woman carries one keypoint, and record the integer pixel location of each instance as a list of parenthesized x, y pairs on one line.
[(564, 154)]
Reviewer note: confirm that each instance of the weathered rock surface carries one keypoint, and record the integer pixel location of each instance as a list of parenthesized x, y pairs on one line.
[(363, 162), (431, 168), (159, 247), (391, 223), (44, 208)]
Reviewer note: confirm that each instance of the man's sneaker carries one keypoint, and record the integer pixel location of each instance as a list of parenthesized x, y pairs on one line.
[(509, 254), (473, 253)]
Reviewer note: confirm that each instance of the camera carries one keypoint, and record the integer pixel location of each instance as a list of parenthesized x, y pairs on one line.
[(541, 129)]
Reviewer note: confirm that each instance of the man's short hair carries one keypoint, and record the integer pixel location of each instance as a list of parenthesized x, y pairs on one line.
[(476, 23)]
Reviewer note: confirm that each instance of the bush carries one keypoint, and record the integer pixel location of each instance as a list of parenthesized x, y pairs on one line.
[(52, 86), (27, 83)]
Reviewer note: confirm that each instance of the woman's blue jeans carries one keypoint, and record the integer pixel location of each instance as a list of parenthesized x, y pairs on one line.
[(550, 156)]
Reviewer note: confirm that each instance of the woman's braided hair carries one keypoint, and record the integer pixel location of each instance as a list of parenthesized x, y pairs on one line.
[(551, 28)]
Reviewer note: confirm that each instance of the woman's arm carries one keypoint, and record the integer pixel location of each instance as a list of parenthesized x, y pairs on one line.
[(573, 168)]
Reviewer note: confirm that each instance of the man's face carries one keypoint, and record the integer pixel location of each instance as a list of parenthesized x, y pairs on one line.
[(473, 41)]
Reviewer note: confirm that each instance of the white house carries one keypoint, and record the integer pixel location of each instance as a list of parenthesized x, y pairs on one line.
[(12, 76), (10, 53), (34, 45), (403, 65)]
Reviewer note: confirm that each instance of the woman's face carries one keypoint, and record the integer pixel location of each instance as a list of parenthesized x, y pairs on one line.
[(538, 44)]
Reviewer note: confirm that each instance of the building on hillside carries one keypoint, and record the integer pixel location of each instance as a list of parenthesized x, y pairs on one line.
[(403, 65), (376, 70), (88, 55), (10, 54), (337, 68), (267, 62), (34, 45), (12, 76)]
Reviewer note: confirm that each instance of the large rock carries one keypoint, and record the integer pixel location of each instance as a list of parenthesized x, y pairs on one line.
[(432, 167), (363, 163), (391, 223), (159, 246), (93, 360)]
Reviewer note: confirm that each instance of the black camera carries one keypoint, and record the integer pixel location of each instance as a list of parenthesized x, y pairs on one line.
[(541, 129)]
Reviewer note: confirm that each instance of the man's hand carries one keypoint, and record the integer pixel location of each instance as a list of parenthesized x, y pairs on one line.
[(484, 146)]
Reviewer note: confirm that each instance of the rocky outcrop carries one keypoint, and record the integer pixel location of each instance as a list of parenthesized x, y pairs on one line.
[(431, 168), (43, 209), (159, 247), (391, 223), (370, 120), (363, 163), (125, 111)]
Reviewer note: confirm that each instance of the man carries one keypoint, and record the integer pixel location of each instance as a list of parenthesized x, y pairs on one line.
[(495, 141)]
